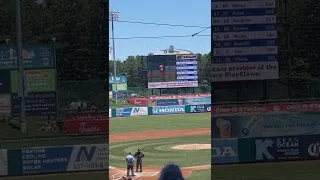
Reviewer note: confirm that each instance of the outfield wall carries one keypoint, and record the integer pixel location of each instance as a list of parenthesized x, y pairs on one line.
[(159, 110), (43, 160), (271, 149), (253, 133)]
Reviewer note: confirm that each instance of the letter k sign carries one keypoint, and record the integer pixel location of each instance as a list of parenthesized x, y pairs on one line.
[(262, 149), (193, 108)]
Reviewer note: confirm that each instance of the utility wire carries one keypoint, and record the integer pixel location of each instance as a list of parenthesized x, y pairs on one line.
[(162, 24), (161, 37)]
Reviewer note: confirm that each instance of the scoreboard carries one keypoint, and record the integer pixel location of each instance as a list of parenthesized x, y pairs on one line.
[(172, 71)]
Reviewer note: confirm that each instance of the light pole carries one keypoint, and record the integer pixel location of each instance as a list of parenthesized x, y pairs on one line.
[(21, 86), (114, 16)]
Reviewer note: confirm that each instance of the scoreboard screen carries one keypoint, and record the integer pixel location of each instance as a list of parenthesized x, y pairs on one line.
[(172, 71)]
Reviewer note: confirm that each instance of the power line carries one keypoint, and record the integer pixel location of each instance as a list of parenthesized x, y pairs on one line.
[(162, 24), (161, 37)]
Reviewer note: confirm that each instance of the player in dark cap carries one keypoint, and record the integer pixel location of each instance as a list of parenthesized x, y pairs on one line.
[(139, 155)]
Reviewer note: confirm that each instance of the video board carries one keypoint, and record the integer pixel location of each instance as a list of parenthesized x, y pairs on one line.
[(172, 71)]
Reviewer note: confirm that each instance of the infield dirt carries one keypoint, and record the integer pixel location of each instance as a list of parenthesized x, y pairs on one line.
[(152, 172)]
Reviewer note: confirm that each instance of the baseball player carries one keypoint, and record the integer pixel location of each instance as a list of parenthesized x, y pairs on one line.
[(139, 155), (129, 161)]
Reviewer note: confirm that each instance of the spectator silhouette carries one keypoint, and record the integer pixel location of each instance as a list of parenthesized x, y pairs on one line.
[(171, 172)]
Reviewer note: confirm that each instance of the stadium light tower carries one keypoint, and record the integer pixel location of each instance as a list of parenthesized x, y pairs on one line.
[(21, 86), (114, 16)]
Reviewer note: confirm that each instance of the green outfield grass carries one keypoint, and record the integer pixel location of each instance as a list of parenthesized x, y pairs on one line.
[(158, 152), (201, 175), (160, 122)]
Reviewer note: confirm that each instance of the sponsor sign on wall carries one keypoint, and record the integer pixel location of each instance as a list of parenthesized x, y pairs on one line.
[(266, 120), (38, 80), (266, 125), (3, 162), (86, 123), (120, 94), (34, 56), (277, 148), (62, 159), (139, 111), (135, 111), (224, 151), (110, 112), (310, 148), (169, 102), (158, 110), (37, 104), (200, 108), (197, 101), (180, 96)]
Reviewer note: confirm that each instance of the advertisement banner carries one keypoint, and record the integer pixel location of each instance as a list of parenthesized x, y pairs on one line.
[(142, 101), (162, 85), (224, 151), (139, 111), (123, 112), (34, 56), (121, 87), (5, 82), (310, 147), (169, 102), (110, 112), (180, 96), (62, 159), (266, 125), (40, 80), (135, 111), (37, 104), (119, 80), (232, 110), (3, 162), (277, 148), (196, 101), (5, 105), (121, 94), (86, 122), (200, 108), (159, 110)]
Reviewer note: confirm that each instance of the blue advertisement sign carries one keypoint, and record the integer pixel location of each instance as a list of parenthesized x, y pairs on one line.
[(310, 147), (200, 108), (121, 94), (34, 56), (169, 102), (266, 125), (224, 151), (123, 112), (62, 159), (37, 104), (277, 148), (120, 79), (197, 101), (159, 110)]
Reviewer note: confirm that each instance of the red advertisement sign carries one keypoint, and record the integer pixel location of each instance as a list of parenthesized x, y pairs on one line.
[(180, 96), (259, 108), (86, 123), (142, 101)]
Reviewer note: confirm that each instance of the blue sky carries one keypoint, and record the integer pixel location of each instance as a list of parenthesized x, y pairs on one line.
[(185, 12)]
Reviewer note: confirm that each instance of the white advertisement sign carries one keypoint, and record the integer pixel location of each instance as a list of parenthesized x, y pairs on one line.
[(139, 111)]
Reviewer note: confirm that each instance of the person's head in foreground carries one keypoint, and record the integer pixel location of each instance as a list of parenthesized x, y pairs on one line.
[(171, 172)]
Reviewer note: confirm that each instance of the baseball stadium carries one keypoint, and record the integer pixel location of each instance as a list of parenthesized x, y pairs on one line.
[(183, 139)]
